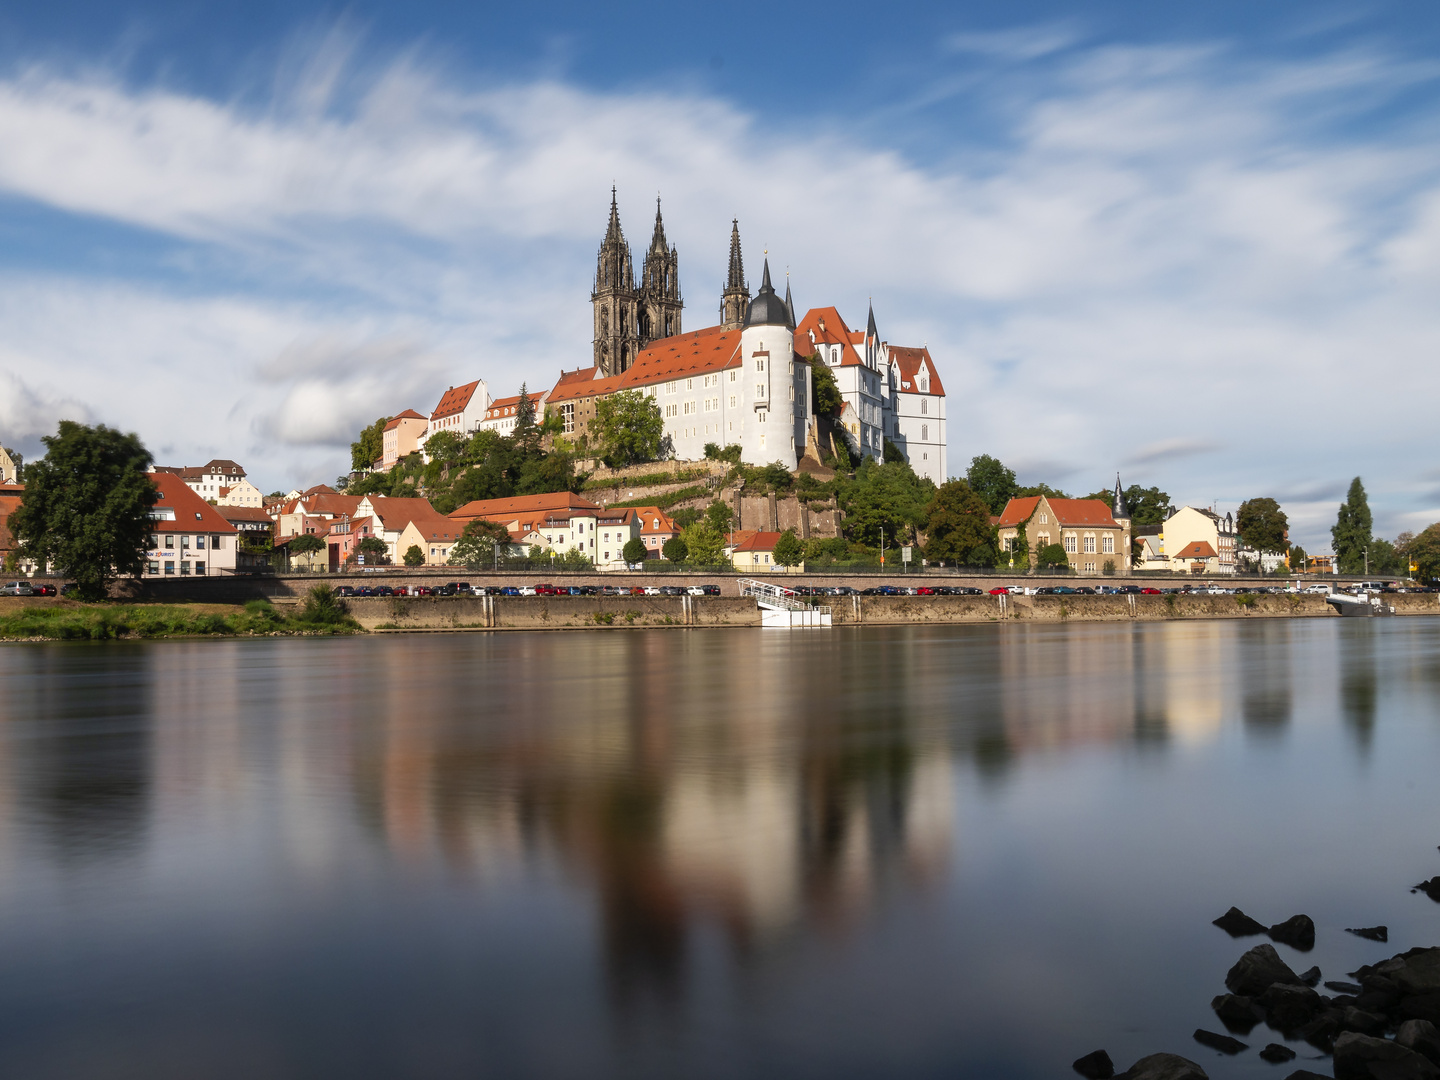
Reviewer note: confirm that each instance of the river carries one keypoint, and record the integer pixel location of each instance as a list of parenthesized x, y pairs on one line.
[(894, 851)]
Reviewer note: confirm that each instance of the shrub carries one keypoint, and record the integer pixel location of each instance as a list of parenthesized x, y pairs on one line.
[(323, 608)]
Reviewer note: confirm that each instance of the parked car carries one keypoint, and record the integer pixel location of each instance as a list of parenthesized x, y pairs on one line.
[(1317, 589), (43, 588), (16, 588), (999, 590), (925, 590), (653, 590), (510, 590), (384, 590), (711, 590), (69, 587), (344, 590), (1086, 590), (696, 590)]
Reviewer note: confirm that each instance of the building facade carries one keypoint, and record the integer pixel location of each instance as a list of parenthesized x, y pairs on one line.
[(1189, 525), (402, 436), (461, 410), (188, 537), (1086, 528), (916, 411)]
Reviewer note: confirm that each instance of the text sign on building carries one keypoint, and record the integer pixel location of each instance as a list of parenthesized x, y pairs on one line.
[(905, 553)]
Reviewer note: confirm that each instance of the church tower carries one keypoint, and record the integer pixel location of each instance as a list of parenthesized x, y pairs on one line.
[(735, 300), (615, 300), (1121, 514), (660, 301)]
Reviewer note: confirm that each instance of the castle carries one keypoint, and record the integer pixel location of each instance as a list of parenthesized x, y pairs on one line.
[(746, 381)]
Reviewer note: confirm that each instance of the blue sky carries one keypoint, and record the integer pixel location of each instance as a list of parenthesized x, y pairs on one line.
[(1200, 248)]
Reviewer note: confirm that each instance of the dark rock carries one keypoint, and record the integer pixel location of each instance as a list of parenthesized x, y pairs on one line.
[(1344, 987), (1306, 1074), (1361, 1057), (1311, 977), (1430, 888), (1366, 1023), (1418, 972), (1289, 1006), (1419, 1007), (1163, 1067), (1297, 931), (1422, 1037), (1237, 924), (1321, 1032), (1095, 1066), (1374, 933), (1276, 1053), (1237, 1013), (1257, 970), (1224, 1043)]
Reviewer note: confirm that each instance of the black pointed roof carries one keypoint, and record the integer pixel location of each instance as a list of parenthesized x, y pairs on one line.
[(767, 309), (789, 304), (613, 234), (1121, 509), (871, 334), (657, 242), (737, 264)]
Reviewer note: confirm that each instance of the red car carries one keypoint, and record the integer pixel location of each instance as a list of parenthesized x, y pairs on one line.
[(924, 590), (43, 590), (546, 590), (999, 590), (1149, 592)]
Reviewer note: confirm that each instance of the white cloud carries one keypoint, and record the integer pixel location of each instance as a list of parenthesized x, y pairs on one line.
[(1170, 260)]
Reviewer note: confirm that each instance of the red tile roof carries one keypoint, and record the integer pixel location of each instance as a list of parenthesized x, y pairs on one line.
[(529, 506), (408, 414), (233, 514), (504, 406), (829, 329), (909, 361), (760, 541), (1072, 512), (455, 400), (1200, 549), (192, 513)]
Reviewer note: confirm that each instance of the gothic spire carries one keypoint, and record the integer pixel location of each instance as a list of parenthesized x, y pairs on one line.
[(789, 304), (657, 242), (1121, 509), (737, 264), (613, 233)]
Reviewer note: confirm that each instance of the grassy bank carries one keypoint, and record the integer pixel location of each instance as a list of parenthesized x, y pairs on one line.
[(104, 622)]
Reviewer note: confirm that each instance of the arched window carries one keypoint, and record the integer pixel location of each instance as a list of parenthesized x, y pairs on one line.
[(924, 432)]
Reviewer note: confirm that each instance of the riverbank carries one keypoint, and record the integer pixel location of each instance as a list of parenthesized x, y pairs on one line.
[(39, 618)]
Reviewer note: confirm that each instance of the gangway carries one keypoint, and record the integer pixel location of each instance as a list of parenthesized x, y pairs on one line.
[(780, 606)]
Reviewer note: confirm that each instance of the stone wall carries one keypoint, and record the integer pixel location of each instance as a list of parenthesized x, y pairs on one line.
[(551, 612)]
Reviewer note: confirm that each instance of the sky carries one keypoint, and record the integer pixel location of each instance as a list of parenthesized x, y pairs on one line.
[(1200, 249)]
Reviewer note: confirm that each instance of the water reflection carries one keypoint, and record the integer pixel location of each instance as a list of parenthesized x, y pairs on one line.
[(1358, 682), (1265, 659)]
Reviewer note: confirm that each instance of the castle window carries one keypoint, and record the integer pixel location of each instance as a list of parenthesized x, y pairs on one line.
[(670, 387), (924, 406), (1107, 544), (1070, 544), (732, 376), (1089, 543), (732, 401), (689, 384), (759, 390), (760, 363), (924, 432)]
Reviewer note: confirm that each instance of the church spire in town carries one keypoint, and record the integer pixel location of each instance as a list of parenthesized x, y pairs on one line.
[(1122, 510), (614, 299), (736, 296), (659, 296), (789, 304)]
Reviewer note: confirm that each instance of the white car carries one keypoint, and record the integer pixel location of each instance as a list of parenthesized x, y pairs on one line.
[(16, 588), (652, 590), (527, 590), (696, 590), (1317, 590)]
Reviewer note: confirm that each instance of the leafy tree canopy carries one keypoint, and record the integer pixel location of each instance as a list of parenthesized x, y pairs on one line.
[(888, 499), (788, 549), (1051, 555), (704, 546), (824, 390), (1147, 506), (306, 544), (988, 478), (629, 427), (414, 556), (959, 527), (87, 506), (1350, 535), (1424, 552), (675, 549), (1041, 489), (719, 515), (1262, 525), (373, 548), (370, 447), (635, 551)]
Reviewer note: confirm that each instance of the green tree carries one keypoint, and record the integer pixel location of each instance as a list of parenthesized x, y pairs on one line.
[(1262, 525), (824, 390), (959, 527), (87, 506), (475, 550), (675, 549), (414, 556), (524, 416), (888, 500), (370, 447), (306, 544), (1424, 553), (445, 448), (1350, 535), (992, 481), (1052, 556), (1042, 489), (635, 551), (788, 550), (1297, 556), (1147, 506), (1385, 558), (574, 559), (719, 515), (703, 545), (1019, 553), (629, 426), (373, 548)]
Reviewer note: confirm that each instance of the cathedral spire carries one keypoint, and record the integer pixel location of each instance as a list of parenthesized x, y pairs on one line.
[(872, 340), (789, 304), (737, 264), (735, 298), (613, 233), (657, 242), (1121, 509)]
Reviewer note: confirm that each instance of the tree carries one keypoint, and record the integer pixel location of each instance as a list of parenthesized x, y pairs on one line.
[(1147, 506), (1386, 559), (475, 549), (1297, 558), (704, 546), (788, 550), (824, 390), (370, 447), (719, 516), (414, 556), (629, 426), (1051, 556), (1350, 535), (992, 481), (959, 527), (635, 550), (888, 500), (524, 416), (445, 448), (306, 544), (1262, 525), (87, 506), (374, 550), (1041, 489), (675, 549), (1424, 553)]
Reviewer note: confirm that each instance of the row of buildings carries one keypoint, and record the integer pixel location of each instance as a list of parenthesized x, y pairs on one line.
[(744, 382)]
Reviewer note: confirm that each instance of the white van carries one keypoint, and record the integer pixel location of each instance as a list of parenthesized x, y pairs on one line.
[(16, 588)]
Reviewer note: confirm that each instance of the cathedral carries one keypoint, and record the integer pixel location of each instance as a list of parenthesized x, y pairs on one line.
[(629, 317)]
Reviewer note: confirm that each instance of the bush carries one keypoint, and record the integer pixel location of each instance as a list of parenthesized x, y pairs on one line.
[(414, 556), (635, 551), (675, 549), (323, 608)]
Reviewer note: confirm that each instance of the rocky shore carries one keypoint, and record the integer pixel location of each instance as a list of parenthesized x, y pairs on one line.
[(1378, 1024)]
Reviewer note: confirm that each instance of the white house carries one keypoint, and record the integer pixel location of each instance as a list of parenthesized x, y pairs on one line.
[(188, 536), (917, 411), (461, 410)]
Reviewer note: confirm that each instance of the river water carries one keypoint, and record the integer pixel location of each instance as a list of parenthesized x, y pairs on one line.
[(901, 852)]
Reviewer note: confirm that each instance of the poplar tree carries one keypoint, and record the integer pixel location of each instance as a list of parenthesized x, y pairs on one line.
[(1350, 535)]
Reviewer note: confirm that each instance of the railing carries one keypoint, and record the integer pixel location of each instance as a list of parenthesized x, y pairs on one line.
[(774, 596)]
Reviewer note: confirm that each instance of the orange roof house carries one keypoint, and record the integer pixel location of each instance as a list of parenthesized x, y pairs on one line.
[(1085, 528), (757, 552)]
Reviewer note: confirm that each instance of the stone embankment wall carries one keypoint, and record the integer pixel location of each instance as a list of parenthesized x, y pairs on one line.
[(766, 513), (551, 612)]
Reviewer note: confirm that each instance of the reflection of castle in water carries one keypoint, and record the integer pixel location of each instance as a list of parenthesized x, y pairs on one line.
[(717, 795)]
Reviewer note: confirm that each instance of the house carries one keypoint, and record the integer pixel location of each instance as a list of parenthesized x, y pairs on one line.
[(656, 528), (253, 526), (857, 361), (189, 537), (402, 437), (220, 479), (8, 473), (1189, 524), (503, 413), (313, 512), (916, 411), (10, 499), (756, 552), (461, 410), (561, 521), (1196, 557), (1090, 534)]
